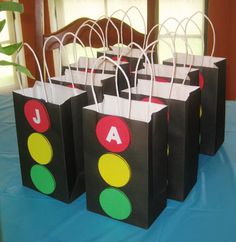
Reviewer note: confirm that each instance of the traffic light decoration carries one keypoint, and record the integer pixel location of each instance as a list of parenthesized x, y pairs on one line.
[(45, 132), (125, 161)]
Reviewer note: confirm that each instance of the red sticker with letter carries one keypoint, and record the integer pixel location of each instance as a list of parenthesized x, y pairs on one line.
[(37, 115), (113, 133)]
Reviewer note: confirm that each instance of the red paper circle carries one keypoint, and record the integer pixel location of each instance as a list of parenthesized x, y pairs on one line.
[(113, 133), (161, 79), (122, 59), (71, 86), (89, 70), (37, 115), (201, 80), (153, 100)]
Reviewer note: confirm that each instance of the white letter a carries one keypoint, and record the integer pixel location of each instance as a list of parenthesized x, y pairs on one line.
[(113, 135)]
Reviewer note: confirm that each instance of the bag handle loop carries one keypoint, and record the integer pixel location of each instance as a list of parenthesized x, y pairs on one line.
[(117, 92), (46, 65), (144, 23), (86, 24), (174, 63), (39, 69), (185, 37), (75, 53), (212, 27), (130, 24)]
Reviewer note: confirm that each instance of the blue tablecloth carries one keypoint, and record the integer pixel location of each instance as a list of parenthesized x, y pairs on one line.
[(207, 215)]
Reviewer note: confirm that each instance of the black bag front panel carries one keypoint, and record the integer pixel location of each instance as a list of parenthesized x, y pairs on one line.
[(212, 124), (145, 190), (183, 143), (59, 136)]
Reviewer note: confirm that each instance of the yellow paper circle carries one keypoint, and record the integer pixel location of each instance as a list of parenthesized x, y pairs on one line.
[(40, 148), (200, 112), (114, 169)]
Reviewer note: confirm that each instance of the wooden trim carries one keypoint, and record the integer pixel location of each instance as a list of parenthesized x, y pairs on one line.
[(29, 35), (96, 42), (152, 17)]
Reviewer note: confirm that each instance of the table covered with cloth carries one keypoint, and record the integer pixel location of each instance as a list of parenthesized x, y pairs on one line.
[(207, 215)]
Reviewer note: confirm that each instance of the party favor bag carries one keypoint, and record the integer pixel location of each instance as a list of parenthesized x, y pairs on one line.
[(44, 123), (183, 128), (212, 79), (125, 159), (212, 82)]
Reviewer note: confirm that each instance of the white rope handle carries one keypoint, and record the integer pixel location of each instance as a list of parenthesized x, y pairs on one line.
[(151, 74), (212, 27), (46, 65), (144, 23), (174, 62), (130, 24), (75, 54), (39, 69), (153, 28), (117, 31), (175, 20), (102, 39), (122, 71), (143, 53), (90, 33), (191, 62), (86, 24), (185, 37)]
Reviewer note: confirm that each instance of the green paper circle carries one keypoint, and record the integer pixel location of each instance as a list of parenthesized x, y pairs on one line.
[(43, 179), (115, 203)]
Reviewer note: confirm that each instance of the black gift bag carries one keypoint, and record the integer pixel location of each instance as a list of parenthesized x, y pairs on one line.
[(183, 131), (183, 126), (45, 140), (212, 79), (45, 118), (125, 159)]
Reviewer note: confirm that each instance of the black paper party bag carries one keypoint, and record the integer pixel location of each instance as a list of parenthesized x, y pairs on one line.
[(45, 134), (183, 126), (212, 81), (125, 159)]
